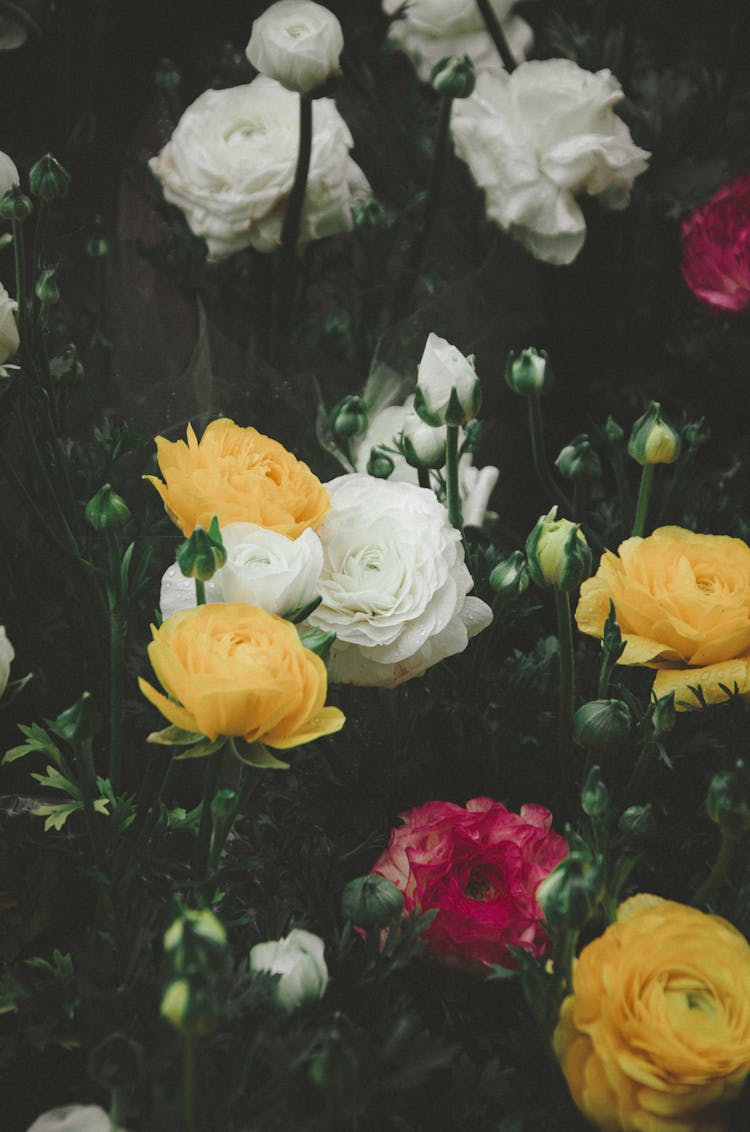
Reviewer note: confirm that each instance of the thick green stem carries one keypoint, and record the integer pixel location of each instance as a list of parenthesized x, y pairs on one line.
[(291, 228), (190, 1082), (205, 824), (200, 592), (423, 475), (453, 495), (437, 174), (727, 849), (249, 782), (117, 630), (536, 431), (498, 36), (567, 687), (644, 497)]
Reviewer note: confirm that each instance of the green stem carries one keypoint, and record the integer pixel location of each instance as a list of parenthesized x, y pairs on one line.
[(153, 811), (727, 849), (423, 475), (439, 160), (621, 480), (567, 687), (117, 630), (640, 770), (190, 1082), (87, 782), (536, 430), (644, 496), (38, 250), (200, 592), (249, 782), (453, 496), (291, 227), (206, 820), (497, 35), (19, 251)]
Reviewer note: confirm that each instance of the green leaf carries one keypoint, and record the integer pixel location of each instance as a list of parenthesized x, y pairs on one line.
[(174, 737), (56, 781), (57, 815), (203, 749), (256, 754), (39, 742)]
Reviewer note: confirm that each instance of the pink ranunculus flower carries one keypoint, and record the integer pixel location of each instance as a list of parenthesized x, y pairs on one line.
[(480, 868), (716, 247)]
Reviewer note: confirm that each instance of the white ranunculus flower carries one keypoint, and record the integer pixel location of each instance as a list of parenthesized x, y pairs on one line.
[(535, 140), (9, 340), (298, 43), (299, 959), (442, 372), (230, 163), (475, 484), (74, 1118), (394, 582), (8, 174), (7, 652), (263, 568), (432, 29), (423, 444)]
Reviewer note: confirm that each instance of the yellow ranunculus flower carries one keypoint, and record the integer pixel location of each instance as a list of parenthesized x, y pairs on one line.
[(656, 1034), (683, 604), (240, 475), (233, 669)]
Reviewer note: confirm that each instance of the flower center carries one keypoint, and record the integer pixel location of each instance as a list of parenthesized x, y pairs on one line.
[(479, 887)]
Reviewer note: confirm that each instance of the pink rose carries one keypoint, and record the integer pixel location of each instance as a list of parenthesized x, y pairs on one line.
[(716, 246), (480, 867)]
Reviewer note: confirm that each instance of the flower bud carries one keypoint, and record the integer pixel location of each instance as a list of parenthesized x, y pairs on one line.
[(600, 725), (203, 553), (349, 418), (510, 578), (557, 553), (47, 288), (613, 432), (15, 205), (298, 43), (107, 510), (570, 894), (80, 721), (167, 75), (9, 338), (528, 371), (652, 440), (728, 799), (663, 715), (371, 902), (299, 960), (638, 822), (48, 179), (594, 794), (380, 465), (369, 215), (7, 653), (116, 1060), (8, 174), (578, 460), (423, 445), (454, 76), (448, 389), (189, 1008), (195, 941)]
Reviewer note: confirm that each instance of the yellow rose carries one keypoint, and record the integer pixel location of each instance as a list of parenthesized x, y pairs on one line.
[(240, 475), (233, 669), (656, 1034), (683, 604)]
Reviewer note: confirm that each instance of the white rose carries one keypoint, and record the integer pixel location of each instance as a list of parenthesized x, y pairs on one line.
[(74, 1118), (535, 139), (299, 959), (444, 372), (8, 174), (432, 29), (7, 652), (230, 164), (263, 568), (394, 582), (385, 427), (298, 43), (9, 340)]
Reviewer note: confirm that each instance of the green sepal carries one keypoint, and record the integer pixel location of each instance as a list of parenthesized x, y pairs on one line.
[(174, 736), (422, 409), (203, 749), (320, 642), (302, 612), (256, 754)]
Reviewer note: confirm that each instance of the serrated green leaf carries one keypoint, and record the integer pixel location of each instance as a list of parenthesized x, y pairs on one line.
[(56, 815), (56, 781)]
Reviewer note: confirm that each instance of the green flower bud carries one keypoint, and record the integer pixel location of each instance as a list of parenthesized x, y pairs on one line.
[(349, 418), (116, 1060), (369, 215), (570, 895), (423, 446), (638, 822), (107, 510), (371, 902), (380, 465), (167, 75), (454, 76), (663, 715), (728, 799), (613, 432), (594, 795), (557, 553), (203, 553), (510, 578), (652, 440), (79, 722), (47, 288), (578, 460), (195, 941), (48, 179), (189, 1008), (528, 371), (600, 725), (15, 205)]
